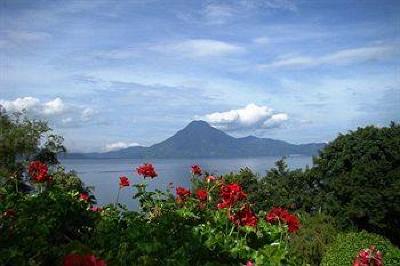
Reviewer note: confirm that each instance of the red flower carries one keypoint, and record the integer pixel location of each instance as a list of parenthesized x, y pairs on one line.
[(210, 179), (276, 215), (196, 170), (182, 192), (368, 257), (123, 181), (202, 194), (146, 170), (83, 260), (96, 209), (244, 217), (230, 194), (84, 196), (38, 171)]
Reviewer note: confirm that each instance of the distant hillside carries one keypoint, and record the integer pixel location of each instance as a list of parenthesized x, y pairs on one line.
[(200, 140)]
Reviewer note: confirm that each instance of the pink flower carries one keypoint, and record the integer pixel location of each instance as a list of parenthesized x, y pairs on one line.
[(249, 263), (210, 179)]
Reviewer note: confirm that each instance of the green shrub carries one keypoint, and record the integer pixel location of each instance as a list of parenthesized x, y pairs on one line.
[(41, 226), (309, 244), (346, 247)]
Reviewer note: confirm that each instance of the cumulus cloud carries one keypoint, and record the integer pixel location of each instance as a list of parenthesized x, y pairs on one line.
[(275, 120), (55, 106), (21, 104), (251, 116), (119, 145), (341, 57), (55, 110), (200, 48)]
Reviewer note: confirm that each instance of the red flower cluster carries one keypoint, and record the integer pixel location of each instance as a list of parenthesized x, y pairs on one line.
[(38, 171), (84, 196), (230, 194), (182, 194), (123, 181), (202, 194), (196, 170), (146, 170), (276, 215), (244, 217), (83, 260), (369, 257)]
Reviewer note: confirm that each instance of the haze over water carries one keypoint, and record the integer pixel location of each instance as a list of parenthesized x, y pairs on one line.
[(103, 174)]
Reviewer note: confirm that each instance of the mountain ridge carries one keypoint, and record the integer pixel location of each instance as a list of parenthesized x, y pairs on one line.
[(200, 140)]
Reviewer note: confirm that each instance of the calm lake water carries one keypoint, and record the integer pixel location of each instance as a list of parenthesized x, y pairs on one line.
[(103, 174)]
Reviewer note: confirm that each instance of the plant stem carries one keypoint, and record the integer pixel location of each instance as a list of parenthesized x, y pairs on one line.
[(116, 202), (230, 233)]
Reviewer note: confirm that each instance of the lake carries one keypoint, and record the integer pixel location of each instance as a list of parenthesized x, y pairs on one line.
[(103, 174)]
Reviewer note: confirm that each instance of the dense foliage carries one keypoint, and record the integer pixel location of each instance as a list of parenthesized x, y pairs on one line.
[(345, 248), (360, 179)]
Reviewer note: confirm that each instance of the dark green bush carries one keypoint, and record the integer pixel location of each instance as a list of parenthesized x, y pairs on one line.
[(360, 179), (295, 189), (309, 244), (346, 247)]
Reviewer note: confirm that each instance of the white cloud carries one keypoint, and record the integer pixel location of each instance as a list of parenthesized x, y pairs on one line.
[(119, 145), (54, 110), (275, 120), (20, 104), (52, 107), (341, 57), (200, 48), (251, 116)]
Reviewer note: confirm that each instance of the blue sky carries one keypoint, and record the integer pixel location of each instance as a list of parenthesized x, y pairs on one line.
[(110, 74)]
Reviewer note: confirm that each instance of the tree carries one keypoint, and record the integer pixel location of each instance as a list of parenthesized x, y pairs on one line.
[(22, 139), (360, 179)]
